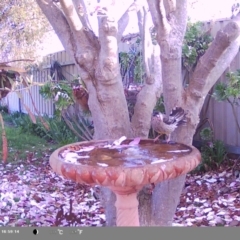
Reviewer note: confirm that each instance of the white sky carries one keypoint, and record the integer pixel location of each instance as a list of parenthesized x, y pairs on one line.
[(203, 10), (211, 9)]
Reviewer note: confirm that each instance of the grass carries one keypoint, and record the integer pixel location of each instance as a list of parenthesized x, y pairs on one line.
[(27, 140), (24, 145)]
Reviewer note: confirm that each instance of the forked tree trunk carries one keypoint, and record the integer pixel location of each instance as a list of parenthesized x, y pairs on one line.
[(170, 18), (97, 61)]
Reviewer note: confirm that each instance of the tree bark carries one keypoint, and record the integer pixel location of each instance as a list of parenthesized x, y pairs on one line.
[(170, 19), (148, 96), (170, 22), (97, 61)]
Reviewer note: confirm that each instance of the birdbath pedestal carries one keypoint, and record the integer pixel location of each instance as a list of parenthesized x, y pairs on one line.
[(124, 167)]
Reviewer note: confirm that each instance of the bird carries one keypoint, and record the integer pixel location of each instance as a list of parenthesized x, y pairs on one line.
[(163, 124)]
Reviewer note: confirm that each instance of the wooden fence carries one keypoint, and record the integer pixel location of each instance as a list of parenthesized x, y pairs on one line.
[(220, 114), (44, 107)]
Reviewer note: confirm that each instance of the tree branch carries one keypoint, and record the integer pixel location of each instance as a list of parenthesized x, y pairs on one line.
[(144, 23), (209, 68), (108, 69), (86, 35), (124, 20), (71, 15), (18, 60), (154, 12), (214, 62), (171, 6), (58, 22), (81, 44), (148, 96), (83, 13), (140, 16), (159, 17), (166, 28), (122, 24), (180, 18), (147, 45), (170, 32)]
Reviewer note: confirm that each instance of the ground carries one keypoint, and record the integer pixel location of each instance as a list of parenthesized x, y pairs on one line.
[(31, 194)]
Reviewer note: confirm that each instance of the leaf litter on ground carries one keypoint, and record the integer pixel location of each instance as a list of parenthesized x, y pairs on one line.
[(31, 194)]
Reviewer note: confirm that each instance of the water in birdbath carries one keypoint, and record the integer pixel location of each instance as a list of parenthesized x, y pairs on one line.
[(124, 166), (122, 152)]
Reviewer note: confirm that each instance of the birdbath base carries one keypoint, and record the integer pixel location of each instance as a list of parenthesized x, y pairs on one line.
[(126, 206), (124, 166)]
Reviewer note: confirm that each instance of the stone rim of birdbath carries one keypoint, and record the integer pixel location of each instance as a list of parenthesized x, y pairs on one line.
[(124, 181), (132, 176)]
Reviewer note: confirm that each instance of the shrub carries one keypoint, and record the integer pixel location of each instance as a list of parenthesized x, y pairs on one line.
[(213, 151), (58, 131), (230, 91), (4, 108), (25, 124)]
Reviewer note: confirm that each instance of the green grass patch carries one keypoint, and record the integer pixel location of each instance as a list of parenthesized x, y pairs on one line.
[(28, 140), (24, 145), (58, 131)]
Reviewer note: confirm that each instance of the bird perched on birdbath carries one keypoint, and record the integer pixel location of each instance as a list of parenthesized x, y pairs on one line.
[(163, 124)]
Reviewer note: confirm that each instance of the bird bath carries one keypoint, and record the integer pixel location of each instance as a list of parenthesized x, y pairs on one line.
[(124, 166)]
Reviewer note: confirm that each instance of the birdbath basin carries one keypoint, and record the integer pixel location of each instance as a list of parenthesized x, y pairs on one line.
[(124, 166)]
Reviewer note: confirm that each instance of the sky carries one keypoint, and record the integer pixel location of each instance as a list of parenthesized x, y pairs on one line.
[(202, 10), (205, 10)]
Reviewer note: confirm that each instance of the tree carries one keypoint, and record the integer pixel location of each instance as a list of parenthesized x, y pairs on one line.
[(22, 26), (97, 61)]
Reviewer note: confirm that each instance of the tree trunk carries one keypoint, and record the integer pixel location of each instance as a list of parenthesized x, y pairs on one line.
[(97, 61), (164, 205)]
